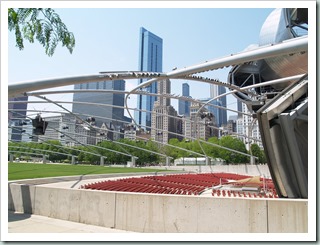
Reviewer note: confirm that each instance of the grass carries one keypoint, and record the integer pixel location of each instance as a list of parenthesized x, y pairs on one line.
[(18, 171)]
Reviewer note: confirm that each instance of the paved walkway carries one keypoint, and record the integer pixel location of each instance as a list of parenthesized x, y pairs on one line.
[(26, 223)]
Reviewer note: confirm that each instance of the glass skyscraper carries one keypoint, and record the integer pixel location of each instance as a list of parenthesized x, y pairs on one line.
[(150, 59), (111, 99), (184, 106), (16, 115), (221, 115)]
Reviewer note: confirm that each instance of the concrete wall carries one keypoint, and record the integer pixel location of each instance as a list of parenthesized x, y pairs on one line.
[(169, 213), (287, 216), (246, 169), (161, 213)]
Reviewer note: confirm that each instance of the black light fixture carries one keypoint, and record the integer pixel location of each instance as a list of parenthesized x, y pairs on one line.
[(39, 125)]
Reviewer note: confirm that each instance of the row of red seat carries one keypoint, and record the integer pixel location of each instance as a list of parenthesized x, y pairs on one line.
[(139, 185), (228, 193), (188, 180), (179, 184)]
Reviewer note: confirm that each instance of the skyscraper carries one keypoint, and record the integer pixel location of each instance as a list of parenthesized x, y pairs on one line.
[(247, 126), (221, 115), (164, 116), (16, 116), (150, 59), (85, 109), (239, 107), (184, 106), (198, 127), (60, 127)]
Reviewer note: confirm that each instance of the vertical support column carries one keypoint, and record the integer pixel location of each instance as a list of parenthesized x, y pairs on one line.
[(252, 160), (167, 161), (101, 161), (11, 157), (73, 160), (208, 162), (44, 159), (133, 161)]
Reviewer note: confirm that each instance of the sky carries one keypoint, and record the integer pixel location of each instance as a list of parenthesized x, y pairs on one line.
[(107, 39)]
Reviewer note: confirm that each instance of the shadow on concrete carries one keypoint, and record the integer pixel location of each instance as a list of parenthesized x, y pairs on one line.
[(25, 193), (78, 181), (12, 216), (10, 199), (26, 199)]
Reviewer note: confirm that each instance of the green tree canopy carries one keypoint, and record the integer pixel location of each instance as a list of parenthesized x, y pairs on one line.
[(256, 151), (235, 144), (42, 24)]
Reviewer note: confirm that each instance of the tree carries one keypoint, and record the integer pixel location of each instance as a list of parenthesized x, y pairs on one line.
[(256, 151), (112, 157), (54, 146), (235, 144), (175, 152), (212, 151), (41, 23)]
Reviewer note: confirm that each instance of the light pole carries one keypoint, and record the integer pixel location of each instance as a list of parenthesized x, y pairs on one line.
[(250, 129)]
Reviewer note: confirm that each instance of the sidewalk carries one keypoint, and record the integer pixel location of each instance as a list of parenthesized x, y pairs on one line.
[(26, 223)]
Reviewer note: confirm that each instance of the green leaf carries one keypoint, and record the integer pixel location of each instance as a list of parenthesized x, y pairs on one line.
[(44, 24)]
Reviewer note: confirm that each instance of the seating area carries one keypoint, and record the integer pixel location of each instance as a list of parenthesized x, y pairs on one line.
[(233, 193), (188, 184)]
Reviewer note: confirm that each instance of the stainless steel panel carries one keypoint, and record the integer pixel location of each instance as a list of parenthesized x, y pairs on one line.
[(284, 129)]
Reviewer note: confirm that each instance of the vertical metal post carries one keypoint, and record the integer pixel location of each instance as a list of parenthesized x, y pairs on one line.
[(207, 161), (72, 160), (101, 161), (133, 160), (252, 160), (44, 159), (167, 161)]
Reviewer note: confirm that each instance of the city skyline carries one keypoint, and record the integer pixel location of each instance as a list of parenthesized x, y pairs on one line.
[(123, 54)]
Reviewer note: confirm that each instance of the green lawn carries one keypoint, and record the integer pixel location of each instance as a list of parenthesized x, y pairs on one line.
[(19, 171)]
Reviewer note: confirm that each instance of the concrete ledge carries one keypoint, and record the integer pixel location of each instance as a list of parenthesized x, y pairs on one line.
[(21, 198), (232, 215), (83, 206), (97, 208), (246, 169), (287, 216), (173, 213), (161, 213)]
